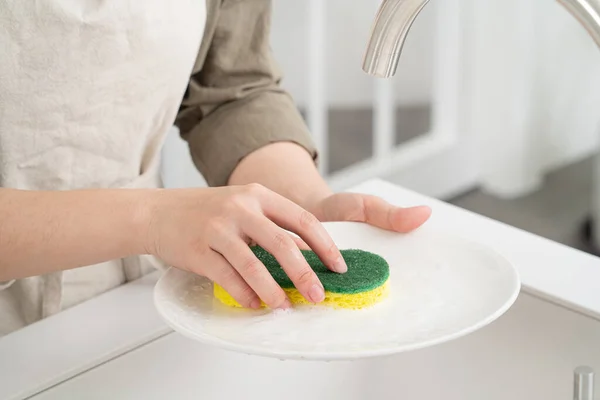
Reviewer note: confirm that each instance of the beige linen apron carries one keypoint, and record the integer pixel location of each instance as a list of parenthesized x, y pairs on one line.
[(88, 91)]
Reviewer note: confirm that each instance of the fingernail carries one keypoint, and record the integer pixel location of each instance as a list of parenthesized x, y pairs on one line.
[(255, 303), (316, 293), (340, 265)]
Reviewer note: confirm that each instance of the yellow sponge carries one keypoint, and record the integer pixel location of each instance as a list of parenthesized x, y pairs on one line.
[(365, 283)]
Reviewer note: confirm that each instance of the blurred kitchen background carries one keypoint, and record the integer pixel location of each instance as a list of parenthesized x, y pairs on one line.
[(495, 107)]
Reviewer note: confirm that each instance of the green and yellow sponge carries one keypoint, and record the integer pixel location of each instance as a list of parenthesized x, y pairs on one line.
[(364, 284)]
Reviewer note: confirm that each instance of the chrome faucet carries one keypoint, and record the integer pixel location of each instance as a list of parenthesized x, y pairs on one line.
[(395, 18)]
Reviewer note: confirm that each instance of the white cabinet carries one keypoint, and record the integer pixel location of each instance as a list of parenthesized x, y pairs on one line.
[(528, 354)]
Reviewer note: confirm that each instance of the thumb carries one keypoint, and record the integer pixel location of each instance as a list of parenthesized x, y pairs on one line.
[(374, 211)]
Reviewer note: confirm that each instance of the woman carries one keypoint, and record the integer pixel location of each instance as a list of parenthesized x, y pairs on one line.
[(88, 91)]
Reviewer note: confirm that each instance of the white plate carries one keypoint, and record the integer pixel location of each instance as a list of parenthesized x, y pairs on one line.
[(442, 287)]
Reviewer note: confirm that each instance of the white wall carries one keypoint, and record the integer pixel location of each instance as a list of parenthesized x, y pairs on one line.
[(536, 79), (568, 89), (349, 23)]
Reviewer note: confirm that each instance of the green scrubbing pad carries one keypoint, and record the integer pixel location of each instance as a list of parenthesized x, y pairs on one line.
[(365, 282), (366, 271)]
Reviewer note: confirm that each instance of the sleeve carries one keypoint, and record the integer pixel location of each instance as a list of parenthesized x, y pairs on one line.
[(234, 104)]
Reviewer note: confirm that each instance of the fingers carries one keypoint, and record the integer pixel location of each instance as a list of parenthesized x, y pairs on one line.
[(380, 213), (294, 218), (253, 272), (300, 243), (374, 211), (281, 245), (221, 272), (241, 290)]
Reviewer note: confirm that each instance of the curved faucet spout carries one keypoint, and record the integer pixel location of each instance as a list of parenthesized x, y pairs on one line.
[(388, 34), (587, 13), (395, 18)]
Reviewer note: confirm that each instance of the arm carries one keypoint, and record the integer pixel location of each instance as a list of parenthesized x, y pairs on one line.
[(242, 127), (44, 231), (285, 168), (235, 113)]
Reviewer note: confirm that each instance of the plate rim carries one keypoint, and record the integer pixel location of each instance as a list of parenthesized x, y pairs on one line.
[(211, 340)]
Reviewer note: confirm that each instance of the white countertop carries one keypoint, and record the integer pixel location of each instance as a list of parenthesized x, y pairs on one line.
[(78, 339)]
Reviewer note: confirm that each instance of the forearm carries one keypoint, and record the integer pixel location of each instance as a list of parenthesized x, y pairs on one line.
[(45, 231), (285, 168)]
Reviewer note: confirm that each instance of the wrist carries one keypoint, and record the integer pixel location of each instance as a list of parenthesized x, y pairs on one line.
[(143, 206)]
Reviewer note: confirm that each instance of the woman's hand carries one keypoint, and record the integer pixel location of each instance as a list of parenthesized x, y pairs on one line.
[(208, 232), (371, 210), (277, 167)]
